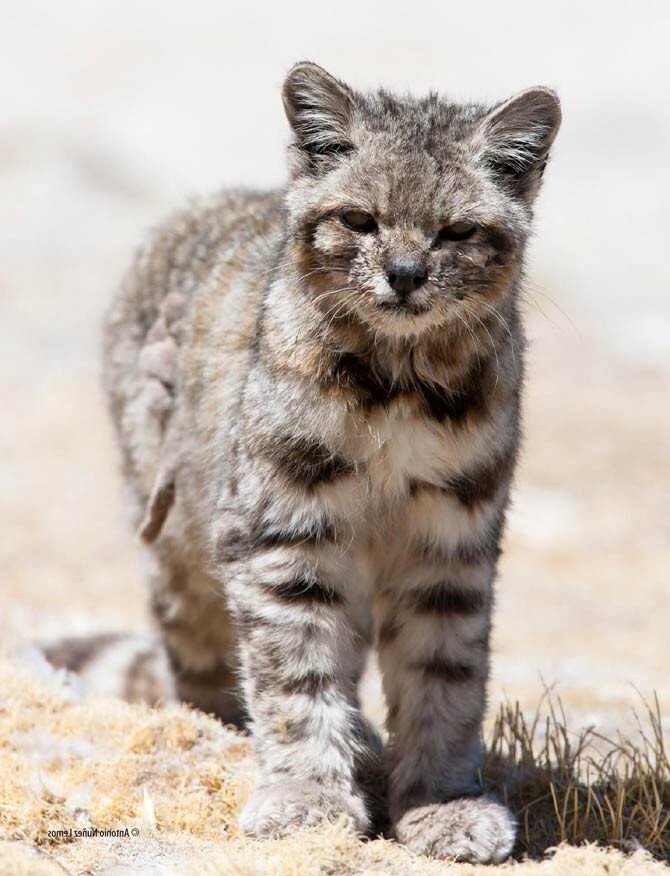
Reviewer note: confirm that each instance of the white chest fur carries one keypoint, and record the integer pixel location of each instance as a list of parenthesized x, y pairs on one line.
[(400, 447)]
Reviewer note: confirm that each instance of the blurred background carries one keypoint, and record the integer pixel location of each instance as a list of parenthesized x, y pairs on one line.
[(112, 112)]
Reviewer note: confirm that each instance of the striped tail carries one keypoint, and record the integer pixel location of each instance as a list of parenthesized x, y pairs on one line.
[(133, 668)]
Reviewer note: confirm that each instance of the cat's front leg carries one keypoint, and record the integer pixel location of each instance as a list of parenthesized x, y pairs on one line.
[(433, 647), (298, 670)]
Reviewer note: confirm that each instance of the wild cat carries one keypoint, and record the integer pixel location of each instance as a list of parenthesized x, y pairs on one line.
[(317, 393)]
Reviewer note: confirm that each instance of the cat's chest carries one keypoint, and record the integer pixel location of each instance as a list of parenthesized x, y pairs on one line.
[(401, 448)]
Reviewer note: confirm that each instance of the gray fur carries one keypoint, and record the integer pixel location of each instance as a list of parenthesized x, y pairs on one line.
[(319, 465)]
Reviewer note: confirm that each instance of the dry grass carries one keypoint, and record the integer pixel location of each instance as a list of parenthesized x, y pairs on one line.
[(582, 787), (179, 778)]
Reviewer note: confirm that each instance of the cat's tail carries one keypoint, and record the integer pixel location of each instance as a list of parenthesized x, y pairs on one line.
[(134, 668)]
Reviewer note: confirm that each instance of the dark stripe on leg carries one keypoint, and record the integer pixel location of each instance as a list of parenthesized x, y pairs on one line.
[(446, 597), (311, 684), (482, 482), (305, 461), (448, 671), (303, 590), (238, 544), (484, 549)]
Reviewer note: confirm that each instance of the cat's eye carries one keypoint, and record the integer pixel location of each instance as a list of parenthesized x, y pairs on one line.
[(461, 230), (358, 220)]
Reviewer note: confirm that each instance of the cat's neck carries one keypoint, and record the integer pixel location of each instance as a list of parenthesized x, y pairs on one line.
[(299, 332)]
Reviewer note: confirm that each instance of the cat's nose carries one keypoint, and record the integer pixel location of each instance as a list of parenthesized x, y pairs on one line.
[(406, 276)]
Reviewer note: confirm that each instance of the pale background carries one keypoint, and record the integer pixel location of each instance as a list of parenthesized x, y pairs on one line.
[(112, 112)]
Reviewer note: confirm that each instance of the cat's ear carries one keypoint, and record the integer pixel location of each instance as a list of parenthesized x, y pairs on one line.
[(319, 109), (514, 139)]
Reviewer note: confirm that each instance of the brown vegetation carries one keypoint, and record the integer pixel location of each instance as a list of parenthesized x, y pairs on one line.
[(582, 787), (179, 777)]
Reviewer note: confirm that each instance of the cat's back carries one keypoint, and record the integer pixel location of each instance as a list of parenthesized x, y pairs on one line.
[(231, 234), (180, 254)]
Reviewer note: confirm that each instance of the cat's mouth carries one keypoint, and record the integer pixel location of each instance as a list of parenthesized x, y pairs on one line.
[(404, 308)]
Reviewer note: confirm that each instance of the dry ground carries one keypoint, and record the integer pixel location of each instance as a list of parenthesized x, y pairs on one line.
[(174, 779), (111, 112)]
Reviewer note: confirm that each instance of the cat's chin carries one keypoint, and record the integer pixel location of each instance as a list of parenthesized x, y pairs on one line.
[(396, 322)]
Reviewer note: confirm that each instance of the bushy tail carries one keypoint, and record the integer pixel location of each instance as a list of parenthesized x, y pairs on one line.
[(109, 664)]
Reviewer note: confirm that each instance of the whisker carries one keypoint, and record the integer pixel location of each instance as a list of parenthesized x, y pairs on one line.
[(493, 346), (536, 288), (503, 322), (329, 293)]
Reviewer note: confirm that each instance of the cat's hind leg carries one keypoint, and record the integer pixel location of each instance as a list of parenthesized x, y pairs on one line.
[(190, 657), (197, 632)]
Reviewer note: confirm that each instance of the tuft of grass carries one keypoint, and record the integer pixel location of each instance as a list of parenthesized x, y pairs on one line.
[(584, 787)]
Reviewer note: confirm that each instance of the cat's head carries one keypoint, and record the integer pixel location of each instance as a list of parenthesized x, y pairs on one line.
[(411, 213)]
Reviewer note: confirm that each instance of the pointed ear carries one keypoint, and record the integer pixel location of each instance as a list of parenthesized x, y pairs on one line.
[(319, 109), (516, 136)]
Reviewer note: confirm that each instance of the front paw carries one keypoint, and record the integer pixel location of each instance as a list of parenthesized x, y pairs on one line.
[(475, 829), (280, 807)]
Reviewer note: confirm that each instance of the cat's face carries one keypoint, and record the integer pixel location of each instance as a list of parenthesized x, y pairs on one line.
[(410, 214)]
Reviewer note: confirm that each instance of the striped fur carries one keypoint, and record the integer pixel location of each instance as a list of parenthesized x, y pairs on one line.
[(129, 667), (321, 464)]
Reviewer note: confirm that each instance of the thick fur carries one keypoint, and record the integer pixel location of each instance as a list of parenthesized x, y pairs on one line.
[(320, 465)]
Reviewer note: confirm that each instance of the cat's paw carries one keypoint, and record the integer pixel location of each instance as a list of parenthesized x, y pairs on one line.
[(475, 829), (279, 808)]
